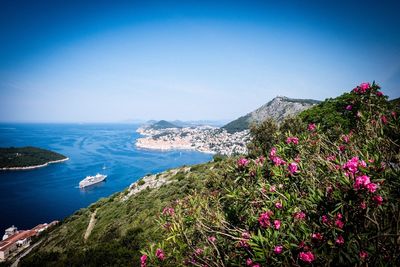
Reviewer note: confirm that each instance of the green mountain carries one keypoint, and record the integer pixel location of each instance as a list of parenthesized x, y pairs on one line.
[(278, 108), (313, 198), (163, 125)]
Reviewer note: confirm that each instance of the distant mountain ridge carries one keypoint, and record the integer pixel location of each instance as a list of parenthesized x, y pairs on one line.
[(278, 108), (163, 125)]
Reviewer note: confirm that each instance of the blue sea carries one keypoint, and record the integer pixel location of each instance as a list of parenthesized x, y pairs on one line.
[(31, 197)]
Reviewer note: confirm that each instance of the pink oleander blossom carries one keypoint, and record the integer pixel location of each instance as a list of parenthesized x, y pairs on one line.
[(198, 251), (249, 262), (264, 219), (168, 211), (278, 205), (278, 161), (277, 224), (361, 182), (378, 199), (384, 119), (293, 140), (339, 240), (339, 223), (278, 250), (379, 94), (143, 260), (246, 235), (372, 187), (299, 215), (242, 162), (351, 165), (331, 158), (349, 107), (346, 138), (272, 153), (307, 256), (272, 188), (311, 127), (363, 255), (363, 205), (317, 236), (160, 254), (212, 239), (324, 219), (292, 167)]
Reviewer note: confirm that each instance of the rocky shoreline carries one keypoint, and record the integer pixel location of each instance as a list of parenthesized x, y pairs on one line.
[(32, 167)]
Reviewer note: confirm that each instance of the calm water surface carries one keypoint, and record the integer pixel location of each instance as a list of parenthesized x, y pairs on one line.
[(28, 198)]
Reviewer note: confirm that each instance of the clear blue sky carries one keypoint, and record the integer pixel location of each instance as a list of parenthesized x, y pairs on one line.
[(110, 61)]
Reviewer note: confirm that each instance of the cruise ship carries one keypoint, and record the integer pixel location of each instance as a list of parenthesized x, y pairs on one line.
[(89, 180)]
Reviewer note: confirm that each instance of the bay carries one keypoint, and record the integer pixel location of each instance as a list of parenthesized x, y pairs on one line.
[(30, 197)]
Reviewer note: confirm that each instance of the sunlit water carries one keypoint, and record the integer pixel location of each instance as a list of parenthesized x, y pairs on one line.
[(30, 197)]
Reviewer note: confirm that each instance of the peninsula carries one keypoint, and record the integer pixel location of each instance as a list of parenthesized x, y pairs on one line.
[(25, 158)]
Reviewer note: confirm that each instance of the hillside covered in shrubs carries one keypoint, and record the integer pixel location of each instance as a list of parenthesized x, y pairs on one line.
[(321, 188)]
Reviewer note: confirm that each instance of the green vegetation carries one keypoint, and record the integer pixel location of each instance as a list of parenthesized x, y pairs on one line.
[(12, 157), (163, 125), (308, 194), (240, 124)]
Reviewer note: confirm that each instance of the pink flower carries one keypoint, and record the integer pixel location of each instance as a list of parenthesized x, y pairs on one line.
[(277, 224), (249, 262), (363, 205), (278, 205), (339, 223), (143, 260), (331, 158), (361, 182), (246, 235), (384, 119), (364, 86), (372, 187), (317, 236), (363, 255), (272, 153), (311, 127), (293, 140), (324, 219), (340, 240), (278, 161), (342, 148), (307, 256), (351, 165), (299, 215), (168, 211), (272, 188), (292, 167), (378, 199), (160, 254), (379, 94), (256, 265), (198, 251), (346, 138), (278, 250), (242, 162), (212, 239), (349, 107), (264, 219)]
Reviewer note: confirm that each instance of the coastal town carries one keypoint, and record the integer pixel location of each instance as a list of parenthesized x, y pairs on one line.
[(205, 139), (15, 241)]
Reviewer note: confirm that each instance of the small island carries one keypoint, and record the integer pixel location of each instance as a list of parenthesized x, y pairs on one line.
[(25, 158)]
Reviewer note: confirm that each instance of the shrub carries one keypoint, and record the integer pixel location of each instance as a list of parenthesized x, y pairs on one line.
[(320, 197)]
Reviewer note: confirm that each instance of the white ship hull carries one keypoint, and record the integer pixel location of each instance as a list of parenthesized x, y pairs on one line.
[(91, 180)]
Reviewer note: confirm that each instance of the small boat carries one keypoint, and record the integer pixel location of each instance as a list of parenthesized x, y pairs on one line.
[(90, 180)]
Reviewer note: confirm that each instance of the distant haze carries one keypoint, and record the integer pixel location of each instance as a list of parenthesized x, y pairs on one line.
[(119, 61)]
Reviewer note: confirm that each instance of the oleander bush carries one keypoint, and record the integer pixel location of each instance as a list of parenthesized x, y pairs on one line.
[(325, 192)]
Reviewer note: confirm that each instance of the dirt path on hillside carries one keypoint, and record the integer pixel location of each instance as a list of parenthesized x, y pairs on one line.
[(91, 224)]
